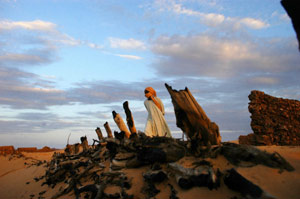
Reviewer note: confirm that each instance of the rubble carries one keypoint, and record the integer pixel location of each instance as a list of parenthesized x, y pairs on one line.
[(93, 172)]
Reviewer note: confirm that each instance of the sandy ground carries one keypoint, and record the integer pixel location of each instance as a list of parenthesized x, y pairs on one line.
[(17, 178)]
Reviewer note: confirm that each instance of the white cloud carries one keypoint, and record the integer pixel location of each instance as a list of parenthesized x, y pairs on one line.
[(285, 17), (96, 46), (264, 80), (212, 19), (23, 90), (281, 16), (52, 34), (36, 44), (129, 56), (67, 40), (29, 25), (205, 55), (20, 58), (178, 9), (252, 23), (126, 43)]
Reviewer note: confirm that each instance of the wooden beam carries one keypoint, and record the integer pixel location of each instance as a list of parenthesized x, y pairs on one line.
[(120, 123), (99, 133), (191, 118), (129, 117), (108, 130)]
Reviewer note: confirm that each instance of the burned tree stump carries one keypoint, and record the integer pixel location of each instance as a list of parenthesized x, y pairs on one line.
[(108, 130), (120, 123), (129, 118), (192, 120), (99, 133)]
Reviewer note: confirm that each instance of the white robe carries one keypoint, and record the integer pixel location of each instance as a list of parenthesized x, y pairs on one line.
[(156, 124)]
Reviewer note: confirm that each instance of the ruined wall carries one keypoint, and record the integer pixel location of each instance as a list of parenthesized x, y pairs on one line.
[(274, 121), (45, 149), (7, 150), (27, 149)]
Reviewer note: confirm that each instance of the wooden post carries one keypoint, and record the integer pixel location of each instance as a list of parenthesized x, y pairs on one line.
[(192, 120), (108, 130), (129, 118), (99, 133), (84, 143), (120, 123)]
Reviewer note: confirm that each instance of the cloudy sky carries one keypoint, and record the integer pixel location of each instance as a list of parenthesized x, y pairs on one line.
[(66, 65)]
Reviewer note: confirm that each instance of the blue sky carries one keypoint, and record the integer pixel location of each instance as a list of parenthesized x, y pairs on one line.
[(66, 65)]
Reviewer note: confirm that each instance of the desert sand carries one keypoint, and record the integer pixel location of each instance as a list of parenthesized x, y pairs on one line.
[(17, 177)]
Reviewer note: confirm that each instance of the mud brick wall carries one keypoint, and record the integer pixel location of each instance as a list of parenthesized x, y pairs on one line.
[(45, 149), (27, 149), (274, 121), (7, 150)]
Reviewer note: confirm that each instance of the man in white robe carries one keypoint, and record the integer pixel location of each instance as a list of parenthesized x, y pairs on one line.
[(156, 124)]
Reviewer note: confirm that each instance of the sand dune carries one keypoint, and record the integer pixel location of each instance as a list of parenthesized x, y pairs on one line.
[(17, 177)]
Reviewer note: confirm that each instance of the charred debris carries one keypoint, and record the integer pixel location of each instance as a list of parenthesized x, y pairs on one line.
[(89, 171)]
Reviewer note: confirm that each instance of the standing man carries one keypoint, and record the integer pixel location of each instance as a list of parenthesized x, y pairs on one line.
[(156, 124)]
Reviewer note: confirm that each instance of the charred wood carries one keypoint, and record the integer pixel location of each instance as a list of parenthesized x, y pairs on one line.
[(150, 189), (187, 178), (160, 149), (92, 188), (155, 176), (238, 183), (99, 133), (120, 123), (192, 120), (173, 194), (84, 143), (236, 154), (129, 118), (108, 130), (119, 136)]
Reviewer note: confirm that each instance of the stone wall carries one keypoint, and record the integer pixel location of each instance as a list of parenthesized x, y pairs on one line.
[(274, 121)]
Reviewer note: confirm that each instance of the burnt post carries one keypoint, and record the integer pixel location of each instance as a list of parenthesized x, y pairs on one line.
[(120, 123), (99, 133), (129, 118), (108, 130), (192, 120)]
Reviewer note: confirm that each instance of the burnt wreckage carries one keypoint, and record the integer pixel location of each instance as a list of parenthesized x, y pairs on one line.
[(106, 163)]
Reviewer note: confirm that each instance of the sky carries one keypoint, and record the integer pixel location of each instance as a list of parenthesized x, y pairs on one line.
[(65, 65)]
